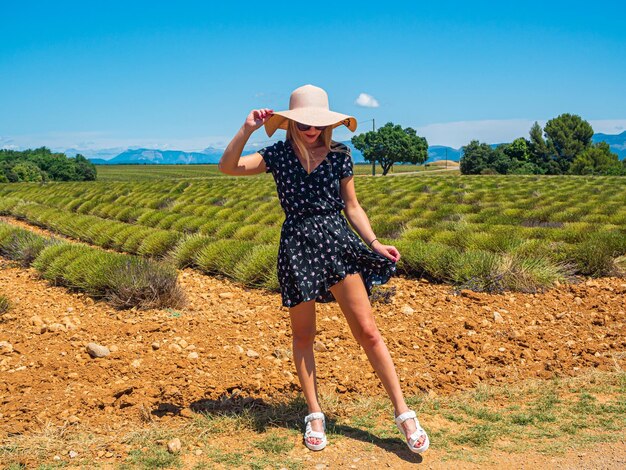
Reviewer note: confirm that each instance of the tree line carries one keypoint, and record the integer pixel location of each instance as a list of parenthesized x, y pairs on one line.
[(563, 147), (41, 165)]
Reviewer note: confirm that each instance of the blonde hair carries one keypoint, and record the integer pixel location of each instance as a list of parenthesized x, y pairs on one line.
[(324, 138)]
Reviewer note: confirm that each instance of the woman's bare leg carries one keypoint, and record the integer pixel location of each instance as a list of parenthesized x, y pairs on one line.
[(351, 295), (303, 333)]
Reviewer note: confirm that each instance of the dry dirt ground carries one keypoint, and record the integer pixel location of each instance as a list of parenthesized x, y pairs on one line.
[(231, 339)]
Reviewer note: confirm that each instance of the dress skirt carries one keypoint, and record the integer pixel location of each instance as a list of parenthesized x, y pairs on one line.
[(318, 250)]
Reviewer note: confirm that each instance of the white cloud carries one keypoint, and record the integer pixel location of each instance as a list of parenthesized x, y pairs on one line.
[(9, 147), (89, 141), (608, 126), (457, 134), (366, 101)]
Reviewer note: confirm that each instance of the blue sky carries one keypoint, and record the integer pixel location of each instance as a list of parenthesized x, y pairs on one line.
[(185, 75)]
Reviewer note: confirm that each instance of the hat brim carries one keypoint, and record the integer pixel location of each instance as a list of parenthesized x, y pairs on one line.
[(311, 116)]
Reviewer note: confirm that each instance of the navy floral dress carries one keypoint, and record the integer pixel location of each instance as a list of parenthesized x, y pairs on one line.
[(318, 248)]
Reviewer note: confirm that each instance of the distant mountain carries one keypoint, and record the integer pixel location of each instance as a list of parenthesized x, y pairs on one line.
[(98, 161), (142, 156), (162, 157), (617, 142), (99, 154), (135, 155), (441, 152)]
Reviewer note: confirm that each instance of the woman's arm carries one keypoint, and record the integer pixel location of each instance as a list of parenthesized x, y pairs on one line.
[(231, 162), (354, 212), (358, 219)]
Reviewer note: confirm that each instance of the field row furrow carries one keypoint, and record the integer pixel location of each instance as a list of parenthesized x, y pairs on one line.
[(487, 233), (124, 281)]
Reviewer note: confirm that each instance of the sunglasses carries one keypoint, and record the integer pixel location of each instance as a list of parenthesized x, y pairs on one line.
[(306, 127)]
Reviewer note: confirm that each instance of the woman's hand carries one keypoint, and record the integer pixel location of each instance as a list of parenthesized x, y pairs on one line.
[(388, 251), (257, 118)]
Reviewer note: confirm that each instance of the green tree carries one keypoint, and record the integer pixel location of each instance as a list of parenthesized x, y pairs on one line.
[(568, 135), (597, 160), (85, 170), (27, 171), (519, 152), (476, 158), (519, 149), (524, 168), (482, 159), (61, 169), (55, 166), (540, 153), (500, 160), (390, 144)]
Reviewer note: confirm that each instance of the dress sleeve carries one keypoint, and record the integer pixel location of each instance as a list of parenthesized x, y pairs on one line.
[(346, 168), (269, 156)]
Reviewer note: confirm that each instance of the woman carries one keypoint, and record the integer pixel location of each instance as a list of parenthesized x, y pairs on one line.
[(320, 257)]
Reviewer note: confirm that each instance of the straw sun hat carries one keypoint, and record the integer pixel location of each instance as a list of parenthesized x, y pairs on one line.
[(308, 105)]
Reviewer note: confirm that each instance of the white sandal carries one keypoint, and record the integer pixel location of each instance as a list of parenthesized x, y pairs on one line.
[(413, 438), (315, 434)]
